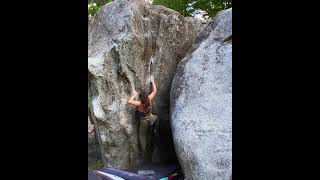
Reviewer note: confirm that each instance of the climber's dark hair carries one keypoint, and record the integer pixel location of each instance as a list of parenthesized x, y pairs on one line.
[(145, 102)]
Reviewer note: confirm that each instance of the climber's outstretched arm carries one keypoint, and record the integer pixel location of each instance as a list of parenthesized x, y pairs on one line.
[(132, 101), (154, 90)]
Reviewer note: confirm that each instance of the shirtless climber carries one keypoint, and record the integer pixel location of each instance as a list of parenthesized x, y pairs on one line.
[(148, 121)]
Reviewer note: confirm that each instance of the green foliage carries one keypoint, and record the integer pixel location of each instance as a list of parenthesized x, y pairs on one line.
[(190, 7), (184, 7), (92, 9), (181, 6), (100, 3), (95, 5), (212, 7)]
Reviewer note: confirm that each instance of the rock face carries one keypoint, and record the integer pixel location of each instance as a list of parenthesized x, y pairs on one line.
[(198, 24), (94, 158), (201, 103), (128, 41)]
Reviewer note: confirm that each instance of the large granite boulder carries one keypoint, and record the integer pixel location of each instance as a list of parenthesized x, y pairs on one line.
[(128, 41), (201, 104)]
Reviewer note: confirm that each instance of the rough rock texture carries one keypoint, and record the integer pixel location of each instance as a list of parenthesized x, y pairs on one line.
[(198, 24), (201, 104), (129, 40), (94, 155)]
